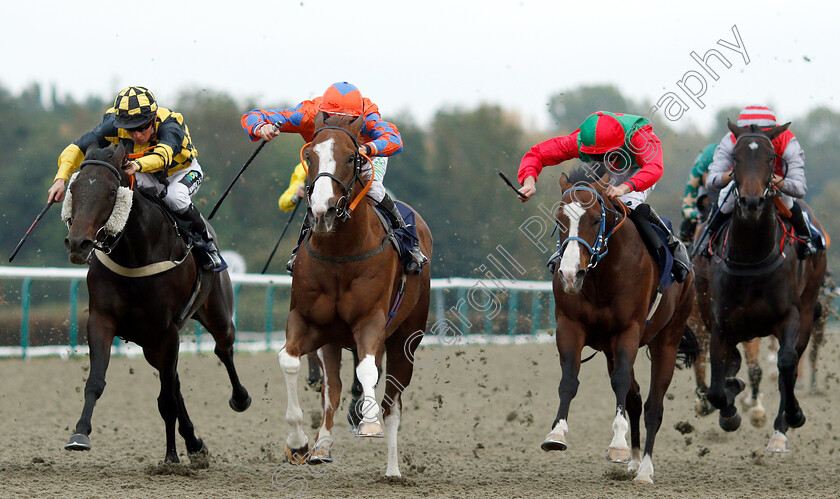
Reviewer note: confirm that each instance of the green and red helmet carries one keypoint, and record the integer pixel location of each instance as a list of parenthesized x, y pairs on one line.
[(601, 133)]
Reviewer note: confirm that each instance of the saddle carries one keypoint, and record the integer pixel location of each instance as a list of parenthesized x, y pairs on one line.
[(402, 239)]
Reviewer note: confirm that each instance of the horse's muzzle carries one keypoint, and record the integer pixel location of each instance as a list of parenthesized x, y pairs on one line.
[(78, 249), (326, 222), (573, 286), (751, 206)]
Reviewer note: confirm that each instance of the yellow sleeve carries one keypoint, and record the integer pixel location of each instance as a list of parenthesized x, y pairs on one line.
[(156, 159), (69, 161), (287, 201)]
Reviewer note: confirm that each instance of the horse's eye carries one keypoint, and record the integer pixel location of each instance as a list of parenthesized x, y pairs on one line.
[(113, 192), (351, 160)]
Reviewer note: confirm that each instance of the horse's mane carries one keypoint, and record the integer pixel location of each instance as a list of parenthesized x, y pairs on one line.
[(587, 173)]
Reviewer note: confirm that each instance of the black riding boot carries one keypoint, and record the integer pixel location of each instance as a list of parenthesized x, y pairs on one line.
[(304, 228), (797, 218), (209, 252), (397, 222), (682, 264)]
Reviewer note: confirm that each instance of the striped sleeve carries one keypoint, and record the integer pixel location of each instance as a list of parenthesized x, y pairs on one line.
[(386, 138), (292, 120)]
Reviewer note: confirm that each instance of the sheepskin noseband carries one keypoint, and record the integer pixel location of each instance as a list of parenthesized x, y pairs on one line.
[(119, 215)]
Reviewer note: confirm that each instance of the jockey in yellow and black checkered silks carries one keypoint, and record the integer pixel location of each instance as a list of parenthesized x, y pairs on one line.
[(165, 158)]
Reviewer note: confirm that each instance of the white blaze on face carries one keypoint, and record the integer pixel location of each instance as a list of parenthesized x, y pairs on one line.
[(322, 189), (753, 146), (570, 260)]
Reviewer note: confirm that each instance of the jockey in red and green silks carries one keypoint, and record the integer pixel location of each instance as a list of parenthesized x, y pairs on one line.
[(626, 144)]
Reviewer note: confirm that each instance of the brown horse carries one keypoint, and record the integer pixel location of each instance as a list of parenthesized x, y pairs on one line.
[(345, 286), (604, 299), (757, 289), (137, 299)]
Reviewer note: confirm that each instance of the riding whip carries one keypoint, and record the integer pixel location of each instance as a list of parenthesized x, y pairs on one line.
[(509, 183), (289, 221), (241, 171), (37, 219)]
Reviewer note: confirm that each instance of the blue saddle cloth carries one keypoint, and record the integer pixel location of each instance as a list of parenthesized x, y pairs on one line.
[(664, 258), (405, 238)]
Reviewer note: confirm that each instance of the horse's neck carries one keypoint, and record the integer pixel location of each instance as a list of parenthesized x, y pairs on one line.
[(352, 236), (148, 236), (752, 241), (623, 242)]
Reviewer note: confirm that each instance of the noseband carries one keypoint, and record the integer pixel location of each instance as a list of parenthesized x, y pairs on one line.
[(599, 250), (342, 206)]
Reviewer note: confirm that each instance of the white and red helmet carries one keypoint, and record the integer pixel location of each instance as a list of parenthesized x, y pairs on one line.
[(761, 116)]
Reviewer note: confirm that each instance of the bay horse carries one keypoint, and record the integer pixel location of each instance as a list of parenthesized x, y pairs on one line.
[(757, 289), (344, 283), (605, 290), (143, 284)]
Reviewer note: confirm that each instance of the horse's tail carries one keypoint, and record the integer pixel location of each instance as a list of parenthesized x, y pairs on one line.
[(689, 349)]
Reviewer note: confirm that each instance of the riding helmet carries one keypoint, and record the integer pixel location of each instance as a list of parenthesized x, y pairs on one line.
[(134, 106), (342, 98)]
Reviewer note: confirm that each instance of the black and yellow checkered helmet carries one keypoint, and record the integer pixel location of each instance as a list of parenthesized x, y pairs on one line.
[(134, 106)]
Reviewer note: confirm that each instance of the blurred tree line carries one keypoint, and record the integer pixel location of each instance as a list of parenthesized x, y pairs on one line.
[(447, 171)]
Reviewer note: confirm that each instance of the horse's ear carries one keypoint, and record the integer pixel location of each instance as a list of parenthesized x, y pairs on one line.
[(355, 126), (119, 155), (777, 130), (320, 118), (565, 183), (735, 129)]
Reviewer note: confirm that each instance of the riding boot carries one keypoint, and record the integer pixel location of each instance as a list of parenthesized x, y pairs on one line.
[(304, 228), (418, 259), (210, 252), (682, 264), (803, 231)]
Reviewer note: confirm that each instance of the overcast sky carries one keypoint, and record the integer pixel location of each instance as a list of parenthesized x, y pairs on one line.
[(423, 55)]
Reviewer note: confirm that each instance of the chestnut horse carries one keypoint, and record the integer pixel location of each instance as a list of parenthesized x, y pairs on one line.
[(345, 288), (757, 288), (142, 285), (604, 299)]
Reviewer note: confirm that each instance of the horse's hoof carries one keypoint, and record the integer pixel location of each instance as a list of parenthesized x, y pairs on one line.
[(171, 458), (369, 430), (202, 450), (758, 417), (78, 441), (239, 406), (617, 455), (796, 420), (703, 407), (320, 455), (297, 456), (730, 423), (554, 442), (778, 443), (643, 479)]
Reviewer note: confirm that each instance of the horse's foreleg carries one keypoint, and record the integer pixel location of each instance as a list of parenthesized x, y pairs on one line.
[(570, 339), (354, 415), (620, 364), (314, 378), (752, 402), (185, 425), (100, 337), (329, 357), (634, 412), (702, 406), (791, 347), (725, 361), (239, 398), (370, 346), (399, 372), (297, 341)]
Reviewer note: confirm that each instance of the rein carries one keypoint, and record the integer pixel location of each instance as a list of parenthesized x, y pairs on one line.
[(343, 210), (600, 249)]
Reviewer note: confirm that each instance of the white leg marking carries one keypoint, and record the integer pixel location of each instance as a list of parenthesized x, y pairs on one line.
[(645, 470), (368, 375), (392, 426), (619, 427), (294, 415), (636, 461), (323, 431), (778, 443), (322, 189), (570, 261)]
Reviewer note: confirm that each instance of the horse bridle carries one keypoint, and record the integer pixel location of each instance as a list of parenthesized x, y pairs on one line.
[(101, 236), (769, 188), (342, 205), (599, 250)]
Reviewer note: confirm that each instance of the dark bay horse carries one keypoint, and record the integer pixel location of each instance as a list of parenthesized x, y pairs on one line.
[(141, 283), (605, 290), (345, 288), (758, 287)]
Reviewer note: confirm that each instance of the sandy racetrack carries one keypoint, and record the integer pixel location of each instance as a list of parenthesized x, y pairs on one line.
[(474, 418)]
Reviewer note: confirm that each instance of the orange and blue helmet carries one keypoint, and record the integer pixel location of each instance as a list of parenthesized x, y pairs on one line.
[(343, 98)]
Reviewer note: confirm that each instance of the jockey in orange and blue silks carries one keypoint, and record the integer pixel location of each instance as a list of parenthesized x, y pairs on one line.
[(381, 139), (788, 176), (626, 144)]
